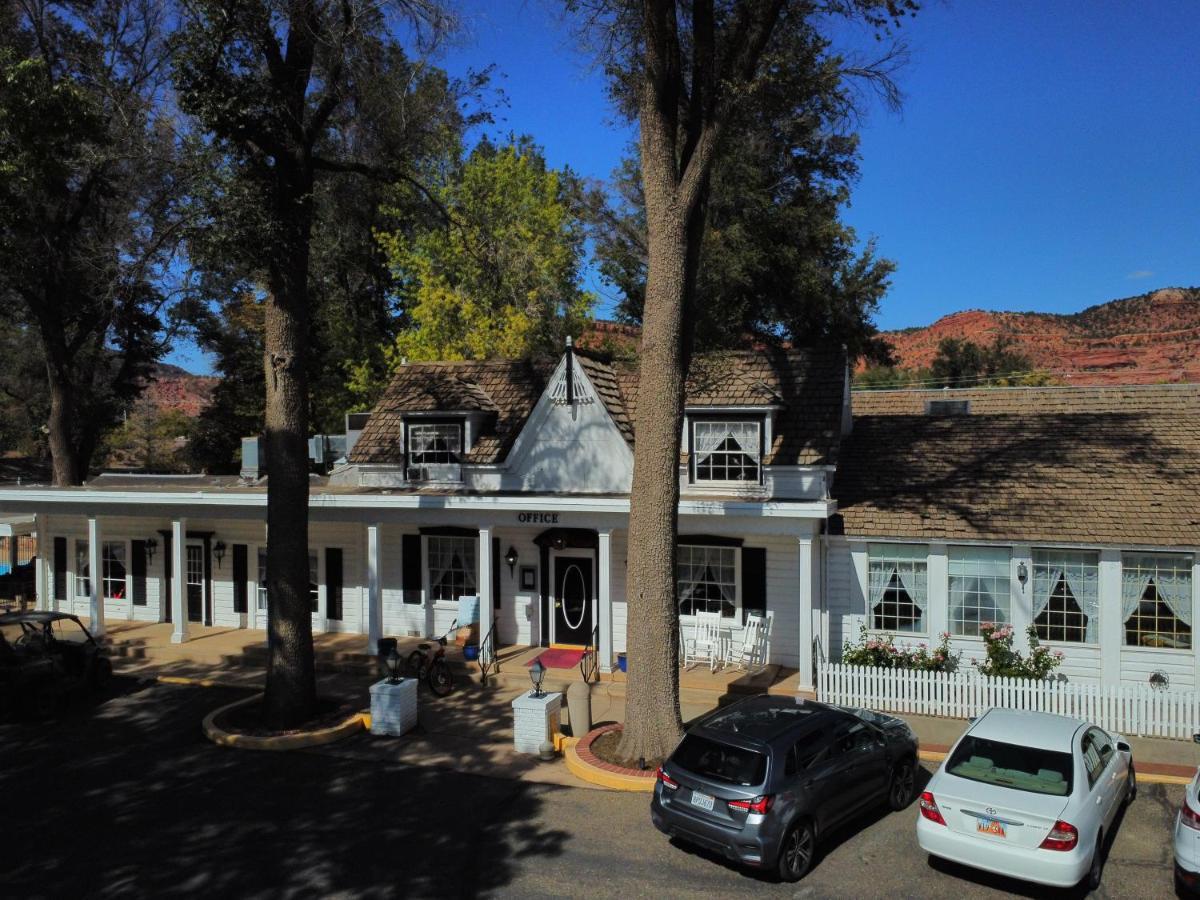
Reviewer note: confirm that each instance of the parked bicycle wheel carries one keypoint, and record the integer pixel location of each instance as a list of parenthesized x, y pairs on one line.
[(416, 661), (441, 682)]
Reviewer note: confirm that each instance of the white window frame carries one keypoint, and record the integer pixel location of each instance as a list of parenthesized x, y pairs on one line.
[(1182, 563), (979, 565), (431, 544), (736, 553), (695, 422), (1083, 561), (434, 472), (106, 578), (80, 580), (260, 585), (914, 555)]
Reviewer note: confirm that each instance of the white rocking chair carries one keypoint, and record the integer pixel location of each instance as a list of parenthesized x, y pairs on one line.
[(705, 643), (751, 656)]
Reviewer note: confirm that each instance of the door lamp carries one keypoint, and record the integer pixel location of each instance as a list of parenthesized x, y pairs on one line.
[(511, 558), (537, 673), (219, 552), (1022, 574), (151, 548)]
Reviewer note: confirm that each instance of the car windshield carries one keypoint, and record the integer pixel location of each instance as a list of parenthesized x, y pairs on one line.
[(11, 632), (720, 762), (1012, 766)]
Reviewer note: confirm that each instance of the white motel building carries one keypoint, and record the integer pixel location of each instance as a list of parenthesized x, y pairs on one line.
[(910, 512)]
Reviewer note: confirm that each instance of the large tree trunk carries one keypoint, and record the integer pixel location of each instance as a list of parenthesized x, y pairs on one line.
[(291, 688), (652, 721), (68, 467)]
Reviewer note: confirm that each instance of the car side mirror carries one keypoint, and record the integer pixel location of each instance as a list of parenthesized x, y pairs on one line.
[(1196, 738), (1125, 748)]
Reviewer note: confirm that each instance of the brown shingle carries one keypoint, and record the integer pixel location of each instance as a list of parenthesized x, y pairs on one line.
[(1114, 465)]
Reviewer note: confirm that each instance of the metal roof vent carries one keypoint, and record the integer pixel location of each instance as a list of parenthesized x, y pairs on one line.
[(947, 407)]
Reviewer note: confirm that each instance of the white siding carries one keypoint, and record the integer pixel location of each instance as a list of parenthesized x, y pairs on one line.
[(1138, 664)]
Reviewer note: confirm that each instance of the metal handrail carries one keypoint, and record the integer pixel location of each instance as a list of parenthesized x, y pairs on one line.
[(589, 664), (488, 660)]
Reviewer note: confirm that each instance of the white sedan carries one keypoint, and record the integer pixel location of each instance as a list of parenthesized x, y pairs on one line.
[(1028, 795), (1187, 837)]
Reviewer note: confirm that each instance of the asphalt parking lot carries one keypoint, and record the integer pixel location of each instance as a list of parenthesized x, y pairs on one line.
[(125, 798)]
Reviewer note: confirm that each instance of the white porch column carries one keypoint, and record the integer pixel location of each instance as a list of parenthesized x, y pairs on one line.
[(1111, 626), (605, 650), (484, 589), (95, 577), (40, 581), (374, 587), (937, 592), (179, 629), (809, 602), (1022, 595)]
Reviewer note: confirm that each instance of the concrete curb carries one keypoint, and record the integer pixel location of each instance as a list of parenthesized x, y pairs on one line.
[(204, 682), (351, 725), (1143, 777), (581, 765)]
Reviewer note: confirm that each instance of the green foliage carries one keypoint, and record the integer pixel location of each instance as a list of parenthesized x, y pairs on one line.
[(150, 439), (878, 378), (1002, 660), (502, 278), (963, 363), (882, 652)]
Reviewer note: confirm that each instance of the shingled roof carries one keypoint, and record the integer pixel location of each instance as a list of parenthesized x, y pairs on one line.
[(1104, 465), (807, 385)]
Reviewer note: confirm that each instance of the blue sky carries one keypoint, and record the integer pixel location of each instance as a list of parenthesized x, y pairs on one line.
[(1047, 156)]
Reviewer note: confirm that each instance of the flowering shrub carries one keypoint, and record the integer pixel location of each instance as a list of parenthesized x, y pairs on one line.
[(1003, 660), (883, 652)]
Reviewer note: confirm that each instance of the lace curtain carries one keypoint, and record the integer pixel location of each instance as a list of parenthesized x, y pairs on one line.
[(1175, 590), (1084, 585), (711, 435)]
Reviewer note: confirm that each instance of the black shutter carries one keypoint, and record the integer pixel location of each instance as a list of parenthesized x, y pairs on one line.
[(137, 572), (333, 583), (495, 573), (410, 551), (60, 568), (241, 575), (754, 581)]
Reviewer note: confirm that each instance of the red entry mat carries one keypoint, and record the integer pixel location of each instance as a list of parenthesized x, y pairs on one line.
[(556, 658)]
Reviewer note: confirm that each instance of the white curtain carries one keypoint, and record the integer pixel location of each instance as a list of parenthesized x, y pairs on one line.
[(1084, 585), (1133, 586), (1045, 580), (879, 577), (914, 581), (1175, 590), (711, 435)]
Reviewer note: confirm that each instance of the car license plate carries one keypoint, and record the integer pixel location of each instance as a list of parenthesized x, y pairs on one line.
[(704, 801), (990, 826)]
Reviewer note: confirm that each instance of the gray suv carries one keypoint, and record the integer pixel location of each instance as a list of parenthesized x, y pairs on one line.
[(762, 780)]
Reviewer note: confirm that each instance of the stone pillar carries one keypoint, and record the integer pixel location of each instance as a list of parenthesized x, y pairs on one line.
[(179, 622), (535, 720), (809, 600), (95, 577), (374, 587), (484, 589), (604, 562), (40, 581)]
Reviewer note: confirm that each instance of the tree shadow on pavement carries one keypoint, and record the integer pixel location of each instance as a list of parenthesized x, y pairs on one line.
[(123, 796)]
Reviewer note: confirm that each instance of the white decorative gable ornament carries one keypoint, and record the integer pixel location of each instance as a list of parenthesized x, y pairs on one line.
[(571, 386)]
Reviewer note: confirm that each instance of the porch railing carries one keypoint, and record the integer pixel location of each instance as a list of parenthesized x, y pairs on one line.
[(489, 661), (1133, 709), (589, 664)]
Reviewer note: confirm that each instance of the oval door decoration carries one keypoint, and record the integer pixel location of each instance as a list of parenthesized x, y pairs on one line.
[(581, 596)]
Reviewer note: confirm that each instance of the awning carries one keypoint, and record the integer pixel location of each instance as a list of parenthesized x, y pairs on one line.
[(16, 526)]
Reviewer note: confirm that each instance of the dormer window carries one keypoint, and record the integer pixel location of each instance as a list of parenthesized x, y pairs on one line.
[(726, 450), (434, 450)]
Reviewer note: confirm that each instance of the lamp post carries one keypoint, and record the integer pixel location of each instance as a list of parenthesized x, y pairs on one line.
[(537, 672), (393, 665)]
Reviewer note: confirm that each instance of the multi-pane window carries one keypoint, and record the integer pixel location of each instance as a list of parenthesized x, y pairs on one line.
[(114, 570), (26, 549), (726, 450), (1156, 600), (83, 585), (898, 579), (1066, 595), (452, 570), (313, 576), (262, 579), (706, 578), (434, 451), (979, 588)]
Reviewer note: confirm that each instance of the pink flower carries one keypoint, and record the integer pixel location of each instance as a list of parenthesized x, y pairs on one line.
[(1058, 654)]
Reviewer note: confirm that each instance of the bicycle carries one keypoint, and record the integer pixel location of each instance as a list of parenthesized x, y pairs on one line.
[(435, 670)]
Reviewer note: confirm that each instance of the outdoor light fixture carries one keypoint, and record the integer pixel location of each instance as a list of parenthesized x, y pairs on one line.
[(537, 672), (393, 664), (511, 558), (219, 551), (1022, 574), (559, 542), (151, 547)]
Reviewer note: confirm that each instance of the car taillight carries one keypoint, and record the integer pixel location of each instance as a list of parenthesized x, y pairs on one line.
[(1189, 816), (1062, 836), (929, 809), (666, 779), (757, 805)]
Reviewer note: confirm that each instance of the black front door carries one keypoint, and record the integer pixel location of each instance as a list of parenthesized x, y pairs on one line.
[(195, 583), (572, 600)]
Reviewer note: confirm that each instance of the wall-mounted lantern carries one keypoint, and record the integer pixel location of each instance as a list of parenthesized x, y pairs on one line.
[(511, 558), (219, 552), (151, 549), (1022, 574)]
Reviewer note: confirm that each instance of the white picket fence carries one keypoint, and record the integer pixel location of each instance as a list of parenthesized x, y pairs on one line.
[(1130, 709)]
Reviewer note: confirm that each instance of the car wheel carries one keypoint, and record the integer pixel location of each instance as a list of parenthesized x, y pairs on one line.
[(796, 854), (900, 793), (101, 673), (1092, 880), (1131, 789)]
